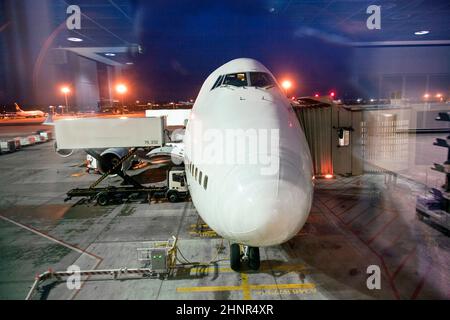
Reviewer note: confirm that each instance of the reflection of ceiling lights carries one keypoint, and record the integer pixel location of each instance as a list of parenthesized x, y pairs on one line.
[(389, 6), (400, 16), (110, 54), (130, 63), (73, 39), (421, 33)]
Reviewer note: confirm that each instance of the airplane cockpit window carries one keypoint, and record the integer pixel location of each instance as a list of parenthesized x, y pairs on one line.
[(236, 79), (217, 83), (261, 79)]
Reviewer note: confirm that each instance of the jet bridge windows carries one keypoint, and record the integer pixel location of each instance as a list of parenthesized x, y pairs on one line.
[(236, 79)]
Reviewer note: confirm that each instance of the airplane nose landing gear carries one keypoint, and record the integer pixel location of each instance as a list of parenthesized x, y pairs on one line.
[(235, 257), (253, 258), (240, 254)]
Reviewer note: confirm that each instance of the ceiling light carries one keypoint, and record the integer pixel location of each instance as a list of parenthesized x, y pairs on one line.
[(129, 63), (110, 54), (73, 39), (421, 33), (401, 16)]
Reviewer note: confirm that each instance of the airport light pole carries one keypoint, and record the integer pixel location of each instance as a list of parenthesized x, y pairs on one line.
[(66, 91), (121, 89), (286, 84)]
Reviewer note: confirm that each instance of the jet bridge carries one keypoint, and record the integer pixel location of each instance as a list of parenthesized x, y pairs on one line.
[(121, 137), (101, 133)]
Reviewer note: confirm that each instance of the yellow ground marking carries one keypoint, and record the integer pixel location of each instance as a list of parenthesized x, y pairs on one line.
[(204, 233), (285, 268), (204, 225), (209, 289), (245, 287), (76, 175), (202, 230), (283, 286)]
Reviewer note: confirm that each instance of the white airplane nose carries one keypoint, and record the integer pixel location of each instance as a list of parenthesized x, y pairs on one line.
[(265, 211)]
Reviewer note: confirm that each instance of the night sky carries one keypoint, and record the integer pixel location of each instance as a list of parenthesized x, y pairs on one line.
[(311, 42), (185, 41)]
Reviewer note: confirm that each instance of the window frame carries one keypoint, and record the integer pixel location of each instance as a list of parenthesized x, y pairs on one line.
[(218, 82), (274, 83), (236, 73)]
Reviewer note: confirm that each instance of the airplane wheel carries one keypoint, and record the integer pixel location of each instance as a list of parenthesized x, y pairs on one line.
[(102, 199), (173, 196), (235, 257), (254, 261)]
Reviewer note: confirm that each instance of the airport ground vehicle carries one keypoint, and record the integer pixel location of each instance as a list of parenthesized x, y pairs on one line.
[(175, 190)]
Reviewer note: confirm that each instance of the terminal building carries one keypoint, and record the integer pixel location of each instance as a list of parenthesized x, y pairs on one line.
[(45, 55), (361, 138)]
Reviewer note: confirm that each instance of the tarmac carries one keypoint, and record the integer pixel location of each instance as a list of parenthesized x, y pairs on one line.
[(355, 223)]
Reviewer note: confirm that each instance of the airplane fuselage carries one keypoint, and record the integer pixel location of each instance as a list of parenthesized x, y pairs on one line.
[(248, 164), (30, 114)]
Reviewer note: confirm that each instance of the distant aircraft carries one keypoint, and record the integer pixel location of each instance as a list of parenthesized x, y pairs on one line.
[(186, 103), (28, 114)]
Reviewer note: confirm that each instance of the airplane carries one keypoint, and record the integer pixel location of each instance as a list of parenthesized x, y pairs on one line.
[(28, 114), (238, 200), (250, 203)]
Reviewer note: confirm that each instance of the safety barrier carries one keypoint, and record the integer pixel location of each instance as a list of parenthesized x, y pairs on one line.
[(59, 275), (15, 144), (144, 254)]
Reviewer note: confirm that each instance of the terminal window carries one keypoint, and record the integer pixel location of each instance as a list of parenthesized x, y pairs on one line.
[(344, 138)]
